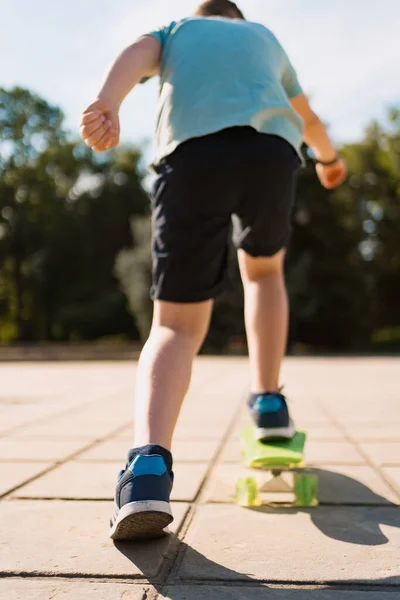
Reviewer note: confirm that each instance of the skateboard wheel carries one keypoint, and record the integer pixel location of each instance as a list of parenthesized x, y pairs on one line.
[(305, 489), (246, 492)]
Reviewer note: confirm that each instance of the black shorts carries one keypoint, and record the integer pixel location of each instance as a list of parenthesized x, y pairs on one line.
[(237, 174)]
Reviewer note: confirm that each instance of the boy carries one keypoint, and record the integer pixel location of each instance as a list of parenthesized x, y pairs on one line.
[(232, 118)]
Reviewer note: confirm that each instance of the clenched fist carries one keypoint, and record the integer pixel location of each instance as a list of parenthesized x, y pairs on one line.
[(99, 126), (333, 175)]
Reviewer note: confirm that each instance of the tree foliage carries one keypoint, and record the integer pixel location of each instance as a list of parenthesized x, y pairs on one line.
[(64, 215)]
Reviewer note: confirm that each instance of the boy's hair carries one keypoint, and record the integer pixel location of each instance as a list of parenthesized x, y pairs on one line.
[(219, 8)]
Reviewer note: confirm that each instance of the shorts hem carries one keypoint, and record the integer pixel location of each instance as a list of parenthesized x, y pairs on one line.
[(260, 253), (194, 298)]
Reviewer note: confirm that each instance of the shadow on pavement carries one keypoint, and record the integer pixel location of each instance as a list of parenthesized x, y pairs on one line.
[(230, 583), (356, 519), (172, 551), (363, 529)]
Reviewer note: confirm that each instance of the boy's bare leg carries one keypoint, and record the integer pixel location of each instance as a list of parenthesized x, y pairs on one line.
[(165, 367), (266, 316)]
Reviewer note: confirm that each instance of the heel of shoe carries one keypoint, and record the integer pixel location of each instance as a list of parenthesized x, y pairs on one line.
[(142, 519), (275, 434)]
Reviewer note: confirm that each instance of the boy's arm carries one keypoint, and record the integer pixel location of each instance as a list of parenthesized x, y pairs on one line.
[(331, 169), (140, 60), (100, 122)]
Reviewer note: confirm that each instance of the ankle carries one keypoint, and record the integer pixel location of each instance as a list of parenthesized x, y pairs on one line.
[(266, 391)]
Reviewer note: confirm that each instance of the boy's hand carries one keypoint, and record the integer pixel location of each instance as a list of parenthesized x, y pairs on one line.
[(332, 176), (99, 126)]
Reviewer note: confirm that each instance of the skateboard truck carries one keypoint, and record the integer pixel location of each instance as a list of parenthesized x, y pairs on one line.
[(304, 488), (273, 477)]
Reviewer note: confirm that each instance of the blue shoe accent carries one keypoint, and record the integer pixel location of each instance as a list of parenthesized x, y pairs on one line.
[(271, 417), (142, 495), (147, 465), (268, 404)]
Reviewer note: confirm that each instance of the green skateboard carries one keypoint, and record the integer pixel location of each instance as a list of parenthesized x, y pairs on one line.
[(279, 461)]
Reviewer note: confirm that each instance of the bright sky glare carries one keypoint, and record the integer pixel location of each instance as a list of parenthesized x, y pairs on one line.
[(346, 53)]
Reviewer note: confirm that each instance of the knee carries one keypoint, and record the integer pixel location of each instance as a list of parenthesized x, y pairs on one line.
[(259, 268), (191, 320)]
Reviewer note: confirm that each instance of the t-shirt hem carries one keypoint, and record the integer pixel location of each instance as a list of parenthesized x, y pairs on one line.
[(267, 129)]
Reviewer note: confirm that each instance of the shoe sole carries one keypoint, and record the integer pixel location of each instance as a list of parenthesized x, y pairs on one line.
[(275, 434), (140, 520)]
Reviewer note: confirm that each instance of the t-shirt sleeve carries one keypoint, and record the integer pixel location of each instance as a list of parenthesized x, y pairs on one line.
[(162, 35), (290, 80)]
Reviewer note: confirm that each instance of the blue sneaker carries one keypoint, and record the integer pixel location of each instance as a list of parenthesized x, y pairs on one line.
[(142, 508), (271, 417)]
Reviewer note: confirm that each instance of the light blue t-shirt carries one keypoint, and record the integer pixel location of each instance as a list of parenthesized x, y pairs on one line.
[(218, 73)]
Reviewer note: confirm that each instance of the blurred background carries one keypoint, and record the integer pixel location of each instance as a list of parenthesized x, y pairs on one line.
[(75, 263)]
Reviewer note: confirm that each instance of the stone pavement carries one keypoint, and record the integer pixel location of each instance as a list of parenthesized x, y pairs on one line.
[(64, 432)]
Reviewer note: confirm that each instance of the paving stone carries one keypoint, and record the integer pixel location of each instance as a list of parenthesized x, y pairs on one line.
[(266, 592), (366, 420), (113, 410), (340, 544), (332, 453), (17, 417), (73, 427), (21, 589), (115, 449), (75, 480), (324, 433), (343, 484), (354, 485), (92, 481), (42, 379), (13, 474), (190, 430), (385, 432), (309, 420), (325, 544), (28, 410), (231, 452), (393, 475), (15, 448), (383, 453), (198, 450), (364, 409), (182, 450), (385, 411), (79, 533)]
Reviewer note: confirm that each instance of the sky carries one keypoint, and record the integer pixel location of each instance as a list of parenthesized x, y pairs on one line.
[(346, 53)]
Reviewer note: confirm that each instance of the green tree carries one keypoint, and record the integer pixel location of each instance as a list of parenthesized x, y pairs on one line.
[(133, 269), (325, 269), (28, 126), (374, 186), (64, 215)]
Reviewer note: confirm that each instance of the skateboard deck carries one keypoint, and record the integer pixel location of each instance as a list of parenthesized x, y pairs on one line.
[(257, 455), (275, 459)]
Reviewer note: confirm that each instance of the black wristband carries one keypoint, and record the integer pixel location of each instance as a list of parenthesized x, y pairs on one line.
[(329, 163)]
